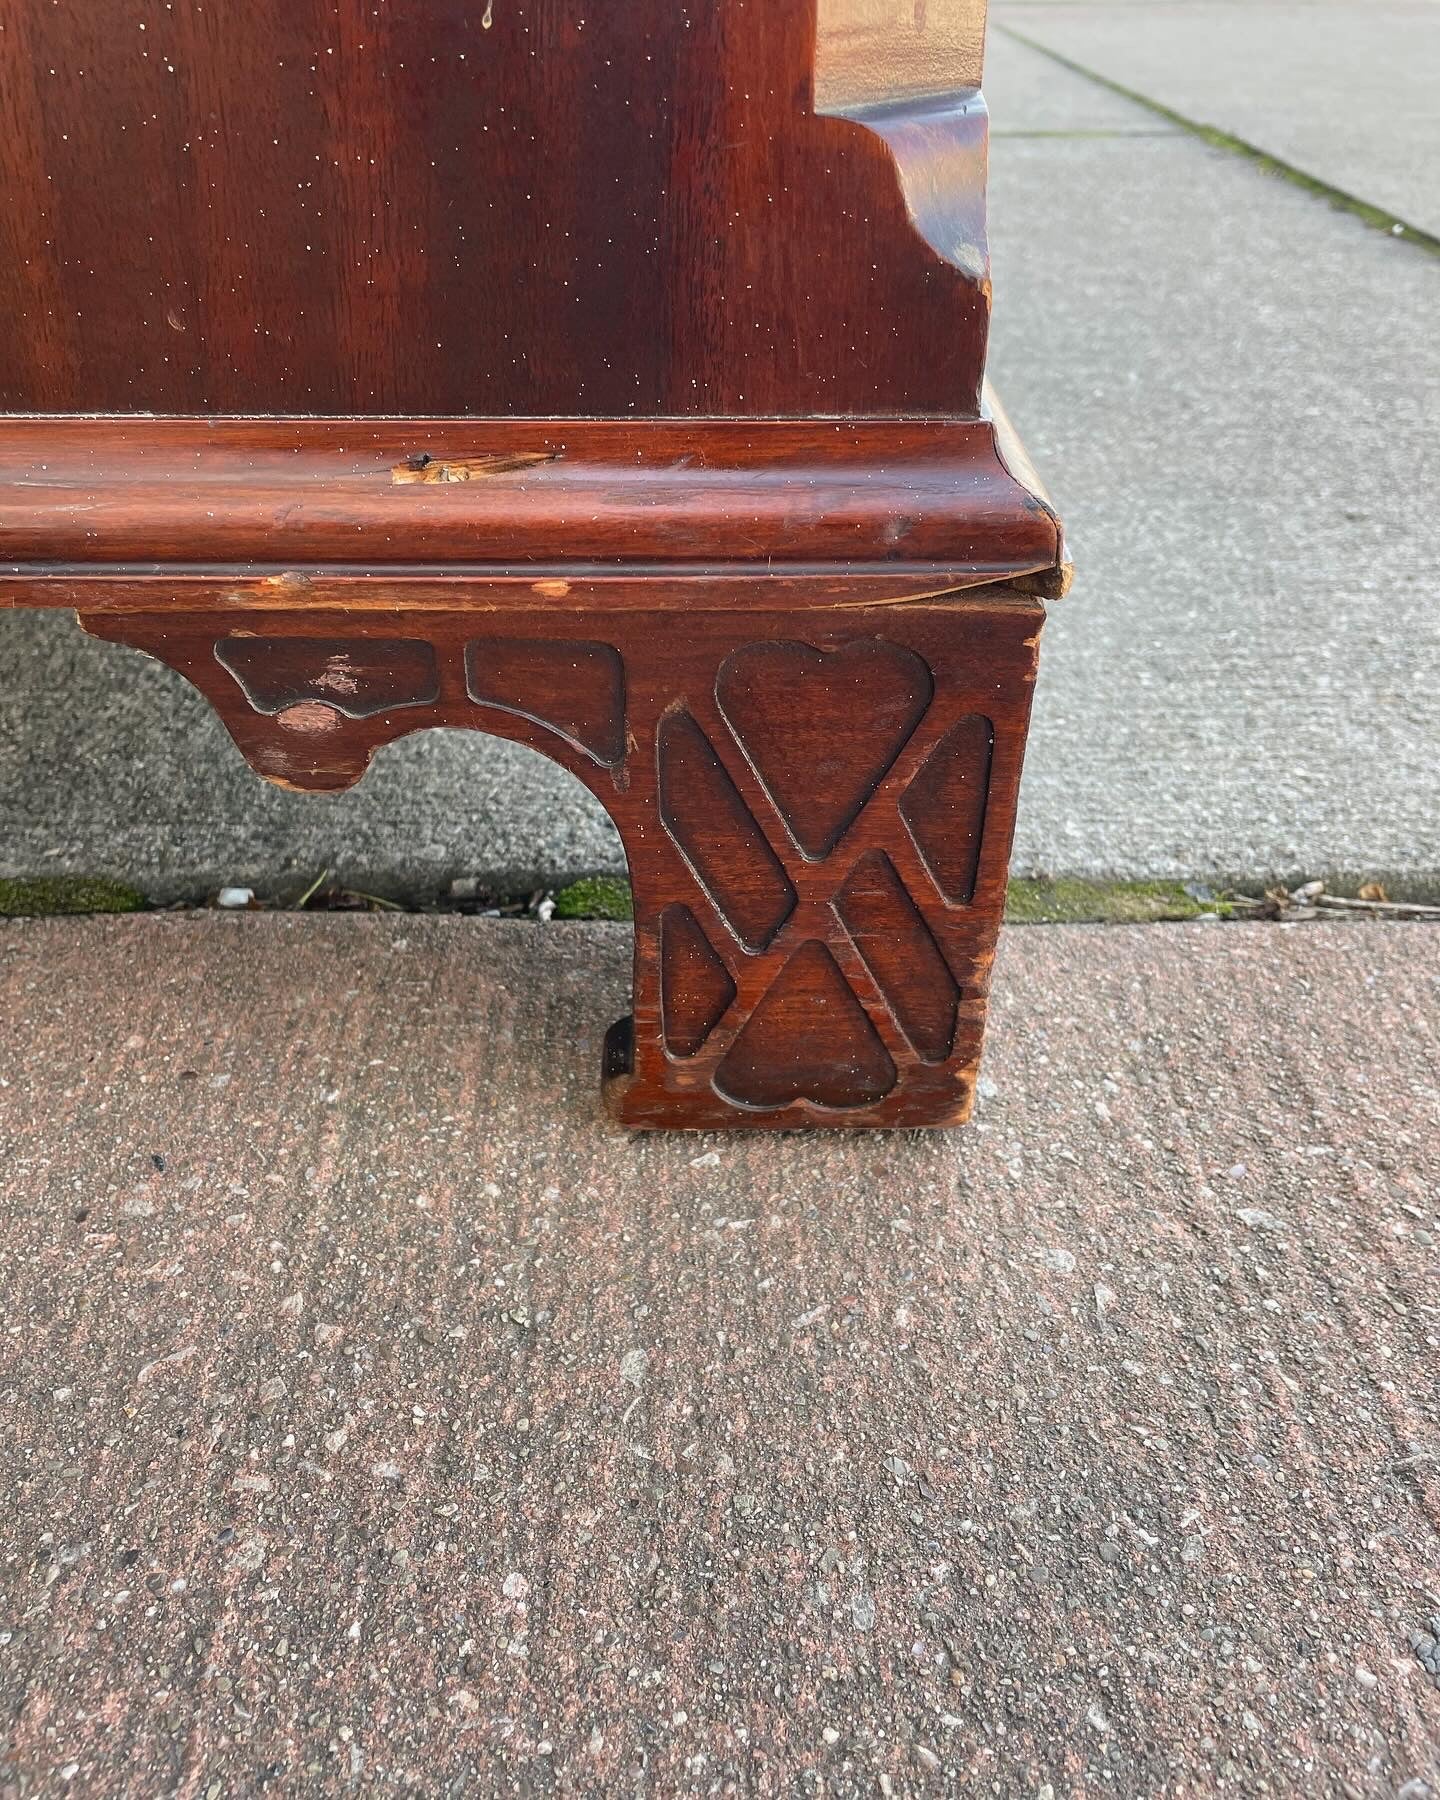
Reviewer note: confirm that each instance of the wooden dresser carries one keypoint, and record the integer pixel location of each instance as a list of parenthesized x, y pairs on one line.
[(608, 377)]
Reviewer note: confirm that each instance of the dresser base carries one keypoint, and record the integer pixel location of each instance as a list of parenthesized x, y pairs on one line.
[(812, 759)]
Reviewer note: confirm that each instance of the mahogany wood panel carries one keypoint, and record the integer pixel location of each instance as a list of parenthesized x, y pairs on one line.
[(525, 207), (696, 989), (795, 789)]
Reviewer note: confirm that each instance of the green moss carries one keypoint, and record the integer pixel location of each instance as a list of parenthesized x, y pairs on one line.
[(596, 897), (1065, 902), (49, 896), (1072, 902)]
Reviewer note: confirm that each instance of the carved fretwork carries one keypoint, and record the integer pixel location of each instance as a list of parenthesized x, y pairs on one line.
[(816, 810), (794, 709)]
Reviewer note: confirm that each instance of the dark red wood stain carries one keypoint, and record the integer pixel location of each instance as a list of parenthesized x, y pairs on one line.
[(946, 807), (821, 729), (809, 1039), (900, 951), (725, 899), (578, 689), (309, 207), (696, 989), (718, 836), (556, 370), (355, 679)]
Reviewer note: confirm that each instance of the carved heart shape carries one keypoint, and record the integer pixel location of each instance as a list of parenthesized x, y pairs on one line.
[(822, 727), (808, 1039)]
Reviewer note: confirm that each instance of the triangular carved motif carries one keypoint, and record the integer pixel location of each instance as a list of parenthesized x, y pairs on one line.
[(900, 951), (712, 825), (944, 807), (695, 986), (808, 1039)]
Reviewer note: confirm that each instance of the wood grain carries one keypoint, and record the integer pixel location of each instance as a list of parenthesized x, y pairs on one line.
[(537, 207), (293, 493)]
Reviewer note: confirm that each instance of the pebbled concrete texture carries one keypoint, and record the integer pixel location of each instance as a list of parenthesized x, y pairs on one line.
[(1343, 91), (1231, 389), (1033, 95), (377, 1419)]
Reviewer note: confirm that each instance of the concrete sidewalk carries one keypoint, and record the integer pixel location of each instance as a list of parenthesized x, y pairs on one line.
[(378, 1418), (1231, 388), (1343, 92)]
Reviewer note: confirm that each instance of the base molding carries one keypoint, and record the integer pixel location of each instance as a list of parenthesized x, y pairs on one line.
[(377, 494)]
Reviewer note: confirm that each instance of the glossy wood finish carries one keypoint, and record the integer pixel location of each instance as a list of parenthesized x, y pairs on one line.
[(343, 491), (526, 207), (787, 636)]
